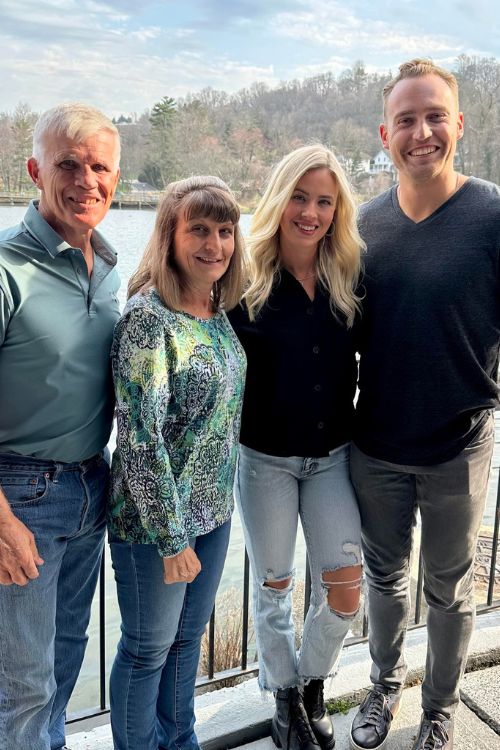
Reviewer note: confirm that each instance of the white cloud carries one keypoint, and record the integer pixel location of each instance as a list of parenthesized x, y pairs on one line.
[(57, 13), (144, 34), (335, 65), (327, 23), (115, 73), (184, 33), (123, 56)]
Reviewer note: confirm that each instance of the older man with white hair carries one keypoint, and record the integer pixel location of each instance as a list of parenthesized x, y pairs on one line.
[(58, 307)]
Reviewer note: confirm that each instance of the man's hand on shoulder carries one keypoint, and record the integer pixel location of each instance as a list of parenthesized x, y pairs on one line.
[(19, 556)]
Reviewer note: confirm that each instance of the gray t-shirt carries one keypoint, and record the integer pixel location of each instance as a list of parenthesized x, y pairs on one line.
[(430, 331)]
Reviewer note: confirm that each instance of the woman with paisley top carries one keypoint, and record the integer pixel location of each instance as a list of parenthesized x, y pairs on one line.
[(179, 372), (296, 327)]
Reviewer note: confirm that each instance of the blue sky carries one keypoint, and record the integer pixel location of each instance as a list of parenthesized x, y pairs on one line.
[(125, 55)]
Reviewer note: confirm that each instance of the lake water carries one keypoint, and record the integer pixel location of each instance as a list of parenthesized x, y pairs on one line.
[(128, 232)]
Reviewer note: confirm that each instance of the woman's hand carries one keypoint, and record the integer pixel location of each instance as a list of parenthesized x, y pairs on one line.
[(182, 568)]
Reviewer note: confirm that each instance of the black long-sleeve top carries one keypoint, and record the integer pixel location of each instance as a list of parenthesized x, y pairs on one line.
[(301, 375)]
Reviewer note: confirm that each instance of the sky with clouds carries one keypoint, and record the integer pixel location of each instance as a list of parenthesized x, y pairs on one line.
[(125, 55)]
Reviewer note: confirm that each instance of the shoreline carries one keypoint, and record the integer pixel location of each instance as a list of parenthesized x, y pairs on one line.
[(123, 202)]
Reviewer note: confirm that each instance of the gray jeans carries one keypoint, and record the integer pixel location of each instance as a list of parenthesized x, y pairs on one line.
[(451, 498)]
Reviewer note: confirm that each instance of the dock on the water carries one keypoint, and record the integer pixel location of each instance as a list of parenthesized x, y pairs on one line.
[(134, 200)]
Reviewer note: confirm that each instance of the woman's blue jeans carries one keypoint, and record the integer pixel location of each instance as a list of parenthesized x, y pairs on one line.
[(154, 672), (271, 493)]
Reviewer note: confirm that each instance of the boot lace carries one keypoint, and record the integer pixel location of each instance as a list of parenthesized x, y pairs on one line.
[(299, 720)]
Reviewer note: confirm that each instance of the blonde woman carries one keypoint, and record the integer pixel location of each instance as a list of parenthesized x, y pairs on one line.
[(295, 324), (179, 372)]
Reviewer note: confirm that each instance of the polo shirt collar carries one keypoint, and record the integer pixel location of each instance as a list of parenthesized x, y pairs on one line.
[(54, 244)]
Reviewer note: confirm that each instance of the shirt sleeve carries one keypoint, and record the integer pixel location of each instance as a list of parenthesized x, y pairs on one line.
[(142, 359)]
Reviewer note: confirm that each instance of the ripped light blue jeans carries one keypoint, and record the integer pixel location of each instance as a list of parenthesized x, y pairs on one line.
[(271, 493)]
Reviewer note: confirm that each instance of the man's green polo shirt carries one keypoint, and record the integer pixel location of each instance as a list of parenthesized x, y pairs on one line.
[(56, 327)]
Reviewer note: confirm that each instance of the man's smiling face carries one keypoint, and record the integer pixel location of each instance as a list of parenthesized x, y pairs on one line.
[(421, 128), (77, 180)]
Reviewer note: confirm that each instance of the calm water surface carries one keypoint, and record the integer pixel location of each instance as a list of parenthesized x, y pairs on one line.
[(128, 232)]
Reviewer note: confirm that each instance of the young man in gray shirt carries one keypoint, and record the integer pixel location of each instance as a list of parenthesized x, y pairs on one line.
[(58, 308), (429, 342)]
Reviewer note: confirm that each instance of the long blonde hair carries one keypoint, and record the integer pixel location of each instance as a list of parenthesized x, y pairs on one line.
[(338, 257), (198, 197)]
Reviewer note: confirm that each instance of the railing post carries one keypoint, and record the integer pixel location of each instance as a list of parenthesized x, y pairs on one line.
[(102, 636), (211, 645), (494, 546), (246, 594), (418, 597)]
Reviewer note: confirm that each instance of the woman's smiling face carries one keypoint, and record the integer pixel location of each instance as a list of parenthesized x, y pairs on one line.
[(203, 249), (310, 210)]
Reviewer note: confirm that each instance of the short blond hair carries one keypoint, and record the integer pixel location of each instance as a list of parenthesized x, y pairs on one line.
[(72, 120), (420, 66)]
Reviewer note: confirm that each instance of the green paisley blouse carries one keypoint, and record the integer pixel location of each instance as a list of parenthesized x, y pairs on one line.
[(179, 387)]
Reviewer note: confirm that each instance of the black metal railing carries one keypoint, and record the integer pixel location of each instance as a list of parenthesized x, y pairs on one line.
[(244, 668)]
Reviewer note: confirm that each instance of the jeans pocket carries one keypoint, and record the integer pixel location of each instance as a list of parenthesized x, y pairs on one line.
[(340, 454), (23, 488), (485, 434)]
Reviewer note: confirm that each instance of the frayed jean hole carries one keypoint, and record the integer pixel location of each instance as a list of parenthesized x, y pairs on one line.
[(279, 592), (344, 615), (352, 582), (353, 549)]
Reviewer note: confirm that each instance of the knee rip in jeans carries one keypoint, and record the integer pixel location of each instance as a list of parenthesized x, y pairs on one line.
[(281, 585), (343, 588)]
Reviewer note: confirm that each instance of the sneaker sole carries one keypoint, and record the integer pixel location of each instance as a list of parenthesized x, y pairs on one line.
[(354, 746)]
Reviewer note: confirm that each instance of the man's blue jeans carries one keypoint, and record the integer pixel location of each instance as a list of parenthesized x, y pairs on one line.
[(154, 673), (43, 624)]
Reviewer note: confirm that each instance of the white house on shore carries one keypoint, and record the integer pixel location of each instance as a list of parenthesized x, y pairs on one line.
[(381, 162)]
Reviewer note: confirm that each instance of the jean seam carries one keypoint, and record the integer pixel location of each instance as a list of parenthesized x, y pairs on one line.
[(305, 631), (403, 631), (177, 659), (127, 717), (85, 509), (176, 696)]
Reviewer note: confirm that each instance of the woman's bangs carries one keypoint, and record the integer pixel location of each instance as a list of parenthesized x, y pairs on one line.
[(212, 204)]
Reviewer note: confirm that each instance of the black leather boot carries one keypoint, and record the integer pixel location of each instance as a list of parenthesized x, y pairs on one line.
[(318, 716), (290, 728)]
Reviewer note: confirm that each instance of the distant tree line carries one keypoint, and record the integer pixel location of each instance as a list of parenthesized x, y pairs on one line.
[(240, 136)]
